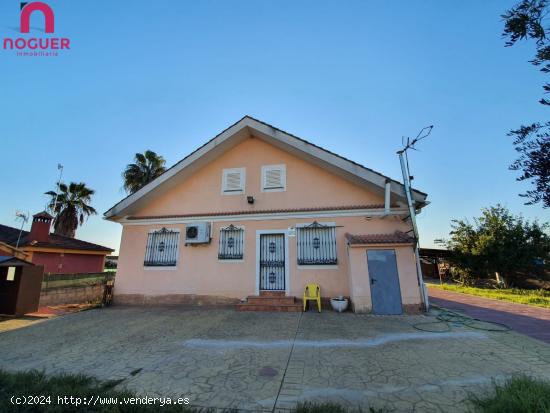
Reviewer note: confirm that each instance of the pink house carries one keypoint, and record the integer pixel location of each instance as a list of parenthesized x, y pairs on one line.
[(254, 215)]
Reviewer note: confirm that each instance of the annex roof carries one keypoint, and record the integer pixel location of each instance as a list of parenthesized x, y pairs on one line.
[(397, 237)]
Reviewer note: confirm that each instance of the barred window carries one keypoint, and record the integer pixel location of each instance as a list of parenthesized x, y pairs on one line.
[(162, 248), (231, 243), (316, 244)]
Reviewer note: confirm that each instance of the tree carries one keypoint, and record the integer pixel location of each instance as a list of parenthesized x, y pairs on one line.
[(527, 20), (71, 207), (147, 166), (499, 244)]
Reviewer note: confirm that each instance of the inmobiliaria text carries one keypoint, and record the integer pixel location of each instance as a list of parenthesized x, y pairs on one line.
[(37, 46)]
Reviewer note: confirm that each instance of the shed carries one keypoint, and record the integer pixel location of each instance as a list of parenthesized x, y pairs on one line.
[(20, 286)]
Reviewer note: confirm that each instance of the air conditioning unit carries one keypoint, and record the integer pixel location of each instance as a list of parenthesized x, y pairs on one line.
[(198, 233)]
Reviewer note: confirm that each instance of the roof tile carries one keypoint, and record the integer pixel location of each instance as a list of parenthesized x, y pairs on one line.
[(397, 237), (262, 211)]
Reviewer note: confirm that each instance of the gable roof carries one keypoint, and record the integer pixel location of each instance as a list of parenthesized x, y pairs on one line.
[(239, 131), (9, 236)]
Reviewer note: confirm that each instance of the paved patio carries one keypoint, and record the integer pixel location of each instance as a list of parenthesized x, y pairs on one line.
[(262, 361)]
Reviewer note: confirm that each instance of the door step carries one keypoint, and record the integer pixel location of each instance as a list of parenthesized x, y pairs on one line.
[(273, 301)]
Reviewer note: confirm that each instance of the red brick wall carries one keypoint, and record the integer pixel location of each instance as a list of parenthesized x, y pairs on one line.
[(68, 263)]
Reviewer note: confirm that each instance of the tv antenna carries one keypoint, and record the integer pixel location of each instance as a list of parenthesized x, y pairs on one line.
[(409, 143), (54, 209), (24, 219)]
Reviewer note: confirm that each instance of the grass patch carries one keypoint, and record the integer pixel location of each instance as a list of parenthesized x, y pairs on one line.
[(35, 383), (520, 394), (79, 282), (538, 298)]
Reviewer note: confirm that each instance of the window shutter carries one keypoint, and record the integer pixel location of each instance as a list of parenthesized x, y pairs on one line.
[(274, 177), (233, 180)]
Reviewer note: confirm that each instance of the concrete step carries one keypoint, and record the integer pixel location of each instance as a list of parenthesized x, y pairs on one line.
[(280, 308), (272, 294), (262, 300)]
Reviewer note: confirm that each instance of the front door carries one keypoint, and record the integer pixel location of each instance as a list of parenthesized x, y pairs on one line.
[(272, 262), (384, 282)]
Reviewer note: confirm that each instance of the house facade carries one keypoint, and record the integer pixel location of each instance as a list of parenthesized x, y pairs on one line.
[(56, 253), (258, 210)]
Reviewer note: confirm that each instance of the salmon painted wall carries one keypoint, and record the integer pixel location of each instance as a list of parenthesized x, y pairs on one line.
[(200, 272), (307, 185), (58, 263)]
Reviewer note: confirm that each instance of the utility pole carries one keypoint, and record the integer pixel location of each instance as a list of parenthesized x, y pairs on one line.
[(411, 203)]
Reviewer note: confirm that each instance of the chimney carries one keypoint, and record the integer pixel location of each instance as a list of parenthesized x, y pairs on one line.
[(40, 229)]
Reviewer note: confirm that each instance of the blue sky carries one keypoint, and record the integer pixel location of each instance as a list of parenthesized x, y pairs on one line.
[(352, 76)]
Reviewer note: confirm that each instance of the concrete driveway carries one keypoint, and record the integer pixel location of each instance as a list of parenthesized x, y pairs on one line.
[(263, 361)]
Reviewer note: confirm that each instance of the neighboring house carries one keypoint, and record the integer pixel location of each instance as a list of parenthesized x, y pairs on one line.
[(256, 210), (111, 261), (435, 262), (58, 254)]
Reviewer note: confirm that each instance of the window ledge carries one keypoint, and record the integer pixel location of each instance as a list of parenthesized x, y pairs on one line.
[(229, 261), (282, 189), (317, 267), (160, 268)]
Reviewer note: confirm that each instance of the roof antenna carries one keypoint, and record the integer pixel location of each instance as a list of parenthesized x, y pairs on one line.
[(24, 218), (409, 143), (55, 209)]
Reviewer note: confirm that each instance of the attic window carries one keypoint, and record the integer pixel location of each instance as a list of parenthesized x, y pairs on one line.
[(273, 178), (233, 181)]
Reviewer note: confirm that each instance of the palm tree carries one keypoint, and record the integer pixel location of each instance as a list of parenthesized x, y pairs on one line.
[(70, 206), (147, 166)]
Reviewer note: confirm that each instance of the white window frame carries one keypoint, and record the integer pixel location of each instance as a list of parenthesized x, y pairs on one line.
[(225, 172), (241, 227), (163, 267), (265, 168), (315, 266)]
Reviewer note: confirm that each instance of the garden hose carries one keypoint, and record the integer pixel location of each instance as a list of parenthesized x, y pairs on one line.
[(447, 318)]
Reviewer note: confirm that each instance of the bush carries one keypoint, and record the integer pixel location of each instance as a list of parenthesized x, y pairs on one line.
[(498, 245)]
